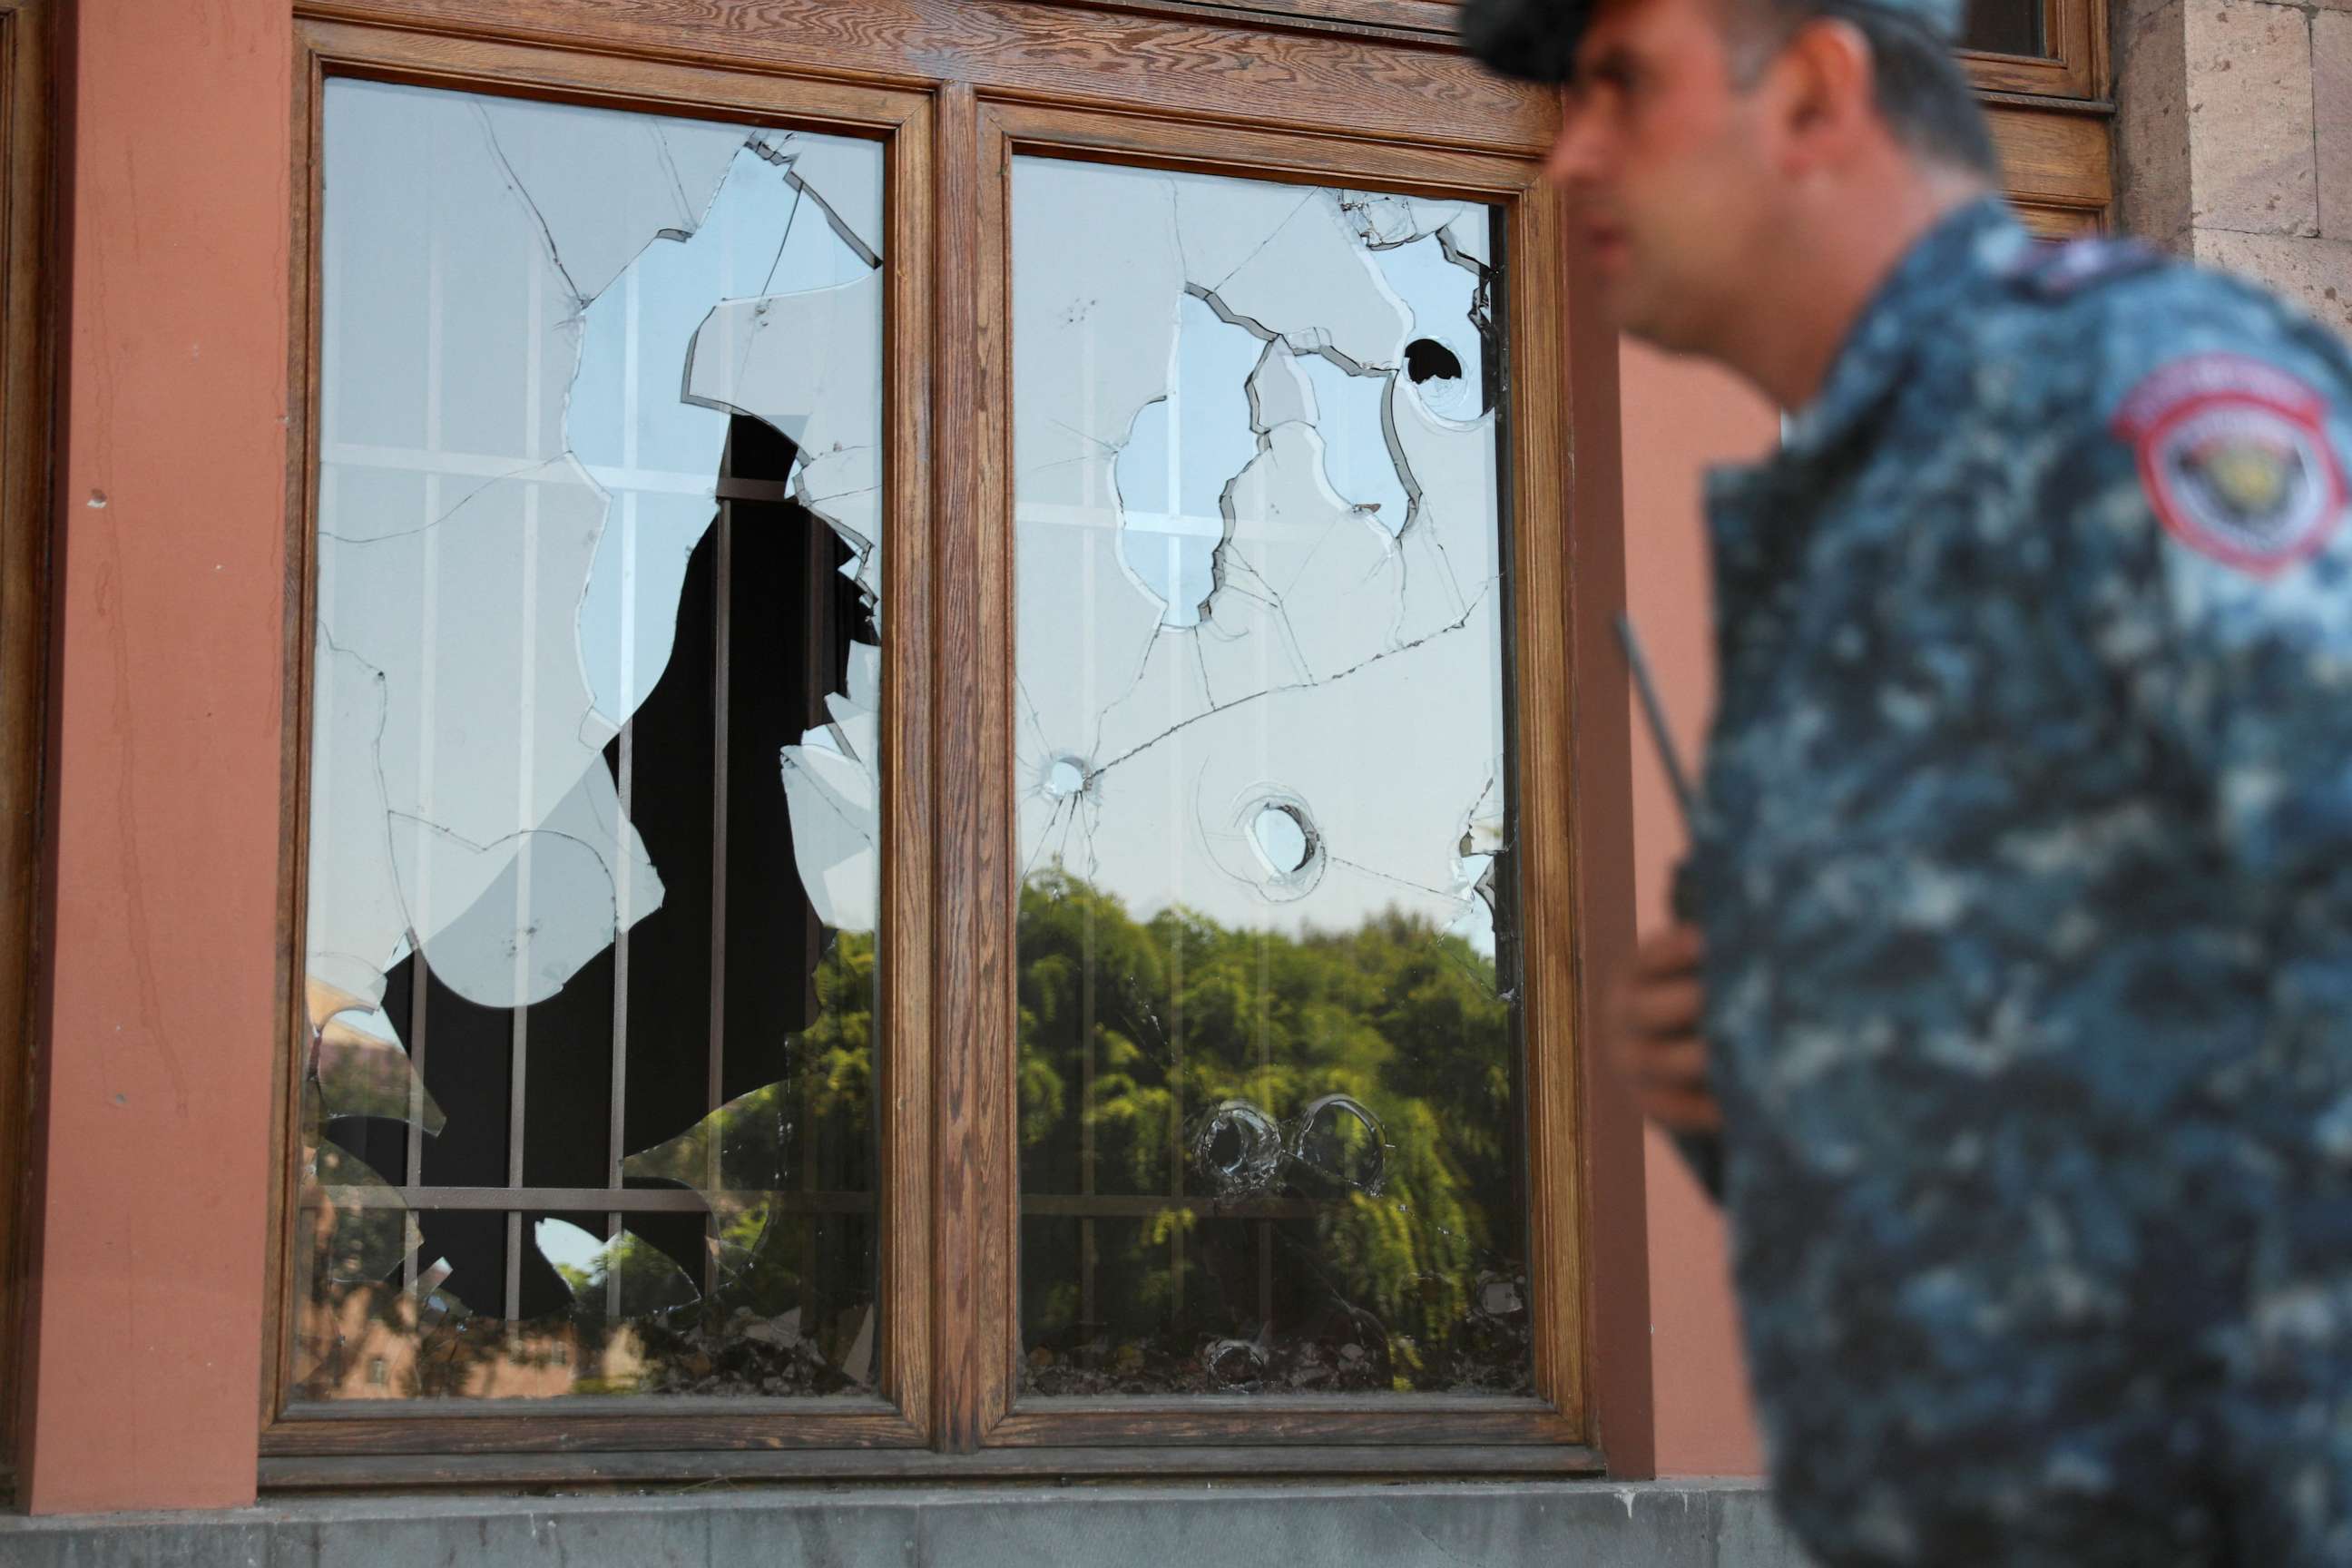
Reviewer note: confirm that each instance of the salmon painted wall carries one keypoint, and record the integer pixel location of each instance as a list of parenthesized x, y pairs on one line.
[(1679, 418), (144, 1364)]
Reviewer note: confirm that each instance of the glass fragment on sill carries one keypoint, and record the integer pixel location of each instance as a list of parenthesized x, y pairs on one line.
[(569, 920), (1270, 1085)]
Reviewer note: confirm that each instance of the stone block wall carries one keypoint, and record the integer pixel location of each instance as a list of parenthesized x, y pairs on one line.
[(2233, 138)]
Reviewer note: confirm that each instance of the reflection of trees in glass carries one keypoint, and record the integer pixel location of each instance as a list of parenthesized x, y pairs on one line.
[(1321, 1286), (791, 1237)]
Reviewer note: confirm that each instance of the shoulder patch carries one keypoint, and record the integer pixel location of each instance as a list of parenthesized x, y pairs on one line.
[(2234, 455), (2056, 270)]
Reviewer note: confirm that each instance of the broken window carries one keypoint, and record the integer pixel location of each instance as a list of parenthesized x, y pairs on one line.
[(1271, 1108), (589, 1090)]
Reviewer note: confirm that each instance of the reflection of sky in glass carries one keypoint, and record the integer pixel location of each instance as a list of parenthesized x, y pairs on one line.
[(1183, 450), (1180, 454), (656, 454), (567, 1246), (1438, 295), (1356, 457), (1352, 664)]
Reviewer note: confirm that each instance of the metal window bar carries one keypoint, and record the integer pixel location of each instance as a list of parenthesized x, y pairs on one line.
[(516, 1201), (721, 674), (615, 1130), (437, 466), (678, 1200), (1090, 1299), (1176, 1125), (412, 1234), (624, 785), (816, 635)]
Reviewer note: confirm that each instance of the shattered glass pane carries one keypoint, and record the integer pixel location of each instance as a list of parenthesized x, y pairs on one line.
[(1270, 1070), (594, 838)]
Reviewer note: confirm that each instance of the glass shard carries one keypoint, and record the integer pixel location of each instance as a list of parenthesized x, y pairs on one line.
[(654, 454), (648, 168), (1445, 355), (805, 364), (834, 795), (354, 934), (1382, 222), (364, 1070)]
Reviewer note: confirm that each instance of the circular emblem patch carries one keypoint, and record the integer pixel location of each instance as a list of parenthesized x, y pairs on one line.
[(2235, 458)]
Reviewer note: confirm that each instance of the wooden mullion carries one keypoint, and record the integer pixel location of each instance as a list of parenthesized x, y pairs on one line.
[(905, 1018), (1549, 809), (573, 1200), (972, 668)]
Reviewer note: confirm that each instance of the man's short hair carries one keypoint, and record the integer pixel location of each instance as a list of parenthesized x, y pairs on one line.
[(1919, 89)]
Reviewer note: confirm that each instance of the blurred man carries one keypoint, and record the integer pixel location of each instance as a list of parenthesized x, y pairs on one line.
[(2023, 1000)]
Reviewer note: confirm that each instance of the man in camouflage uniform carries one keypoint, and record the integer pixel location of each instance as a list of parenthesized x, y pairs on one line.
[(2024, 866)]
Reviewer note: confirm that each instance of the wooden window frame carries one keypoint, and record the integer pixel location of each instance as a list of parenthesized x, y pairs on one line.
[(2058, 167), (898, 1415), (1533, 292), (954, 92), (26, 362), (2052, 120), (2075, 33)]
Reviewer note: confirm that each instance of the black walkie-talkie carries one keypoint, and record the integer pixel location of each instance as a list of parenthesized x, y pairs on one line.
[(1702, 1152)]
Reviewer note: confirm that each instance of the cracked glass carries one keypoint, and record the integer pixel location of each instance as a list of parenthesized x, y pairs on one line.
[(1271, 1122), (593, 835)]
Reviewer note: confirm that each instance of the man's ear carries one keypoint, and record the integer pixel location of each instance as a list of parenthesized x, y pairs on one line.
[(1824, 96)]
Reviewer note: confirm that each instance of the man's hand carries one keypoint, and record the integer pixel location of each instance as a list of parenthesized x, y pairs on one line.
[(1653, 1033)]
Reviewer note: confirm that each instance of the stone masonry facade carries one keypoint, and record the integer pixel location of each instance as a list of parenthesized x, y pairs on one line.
[(2233, 138)]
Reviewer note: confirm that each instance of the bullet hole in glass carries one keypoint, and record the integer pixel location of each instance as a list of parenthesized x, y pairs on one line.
[(1426, 359), (1065, 776), (1283, 837)]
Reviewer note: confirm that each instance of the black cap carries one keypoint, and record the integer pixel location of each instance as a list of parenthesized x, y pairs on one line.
[(1533, 40)]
